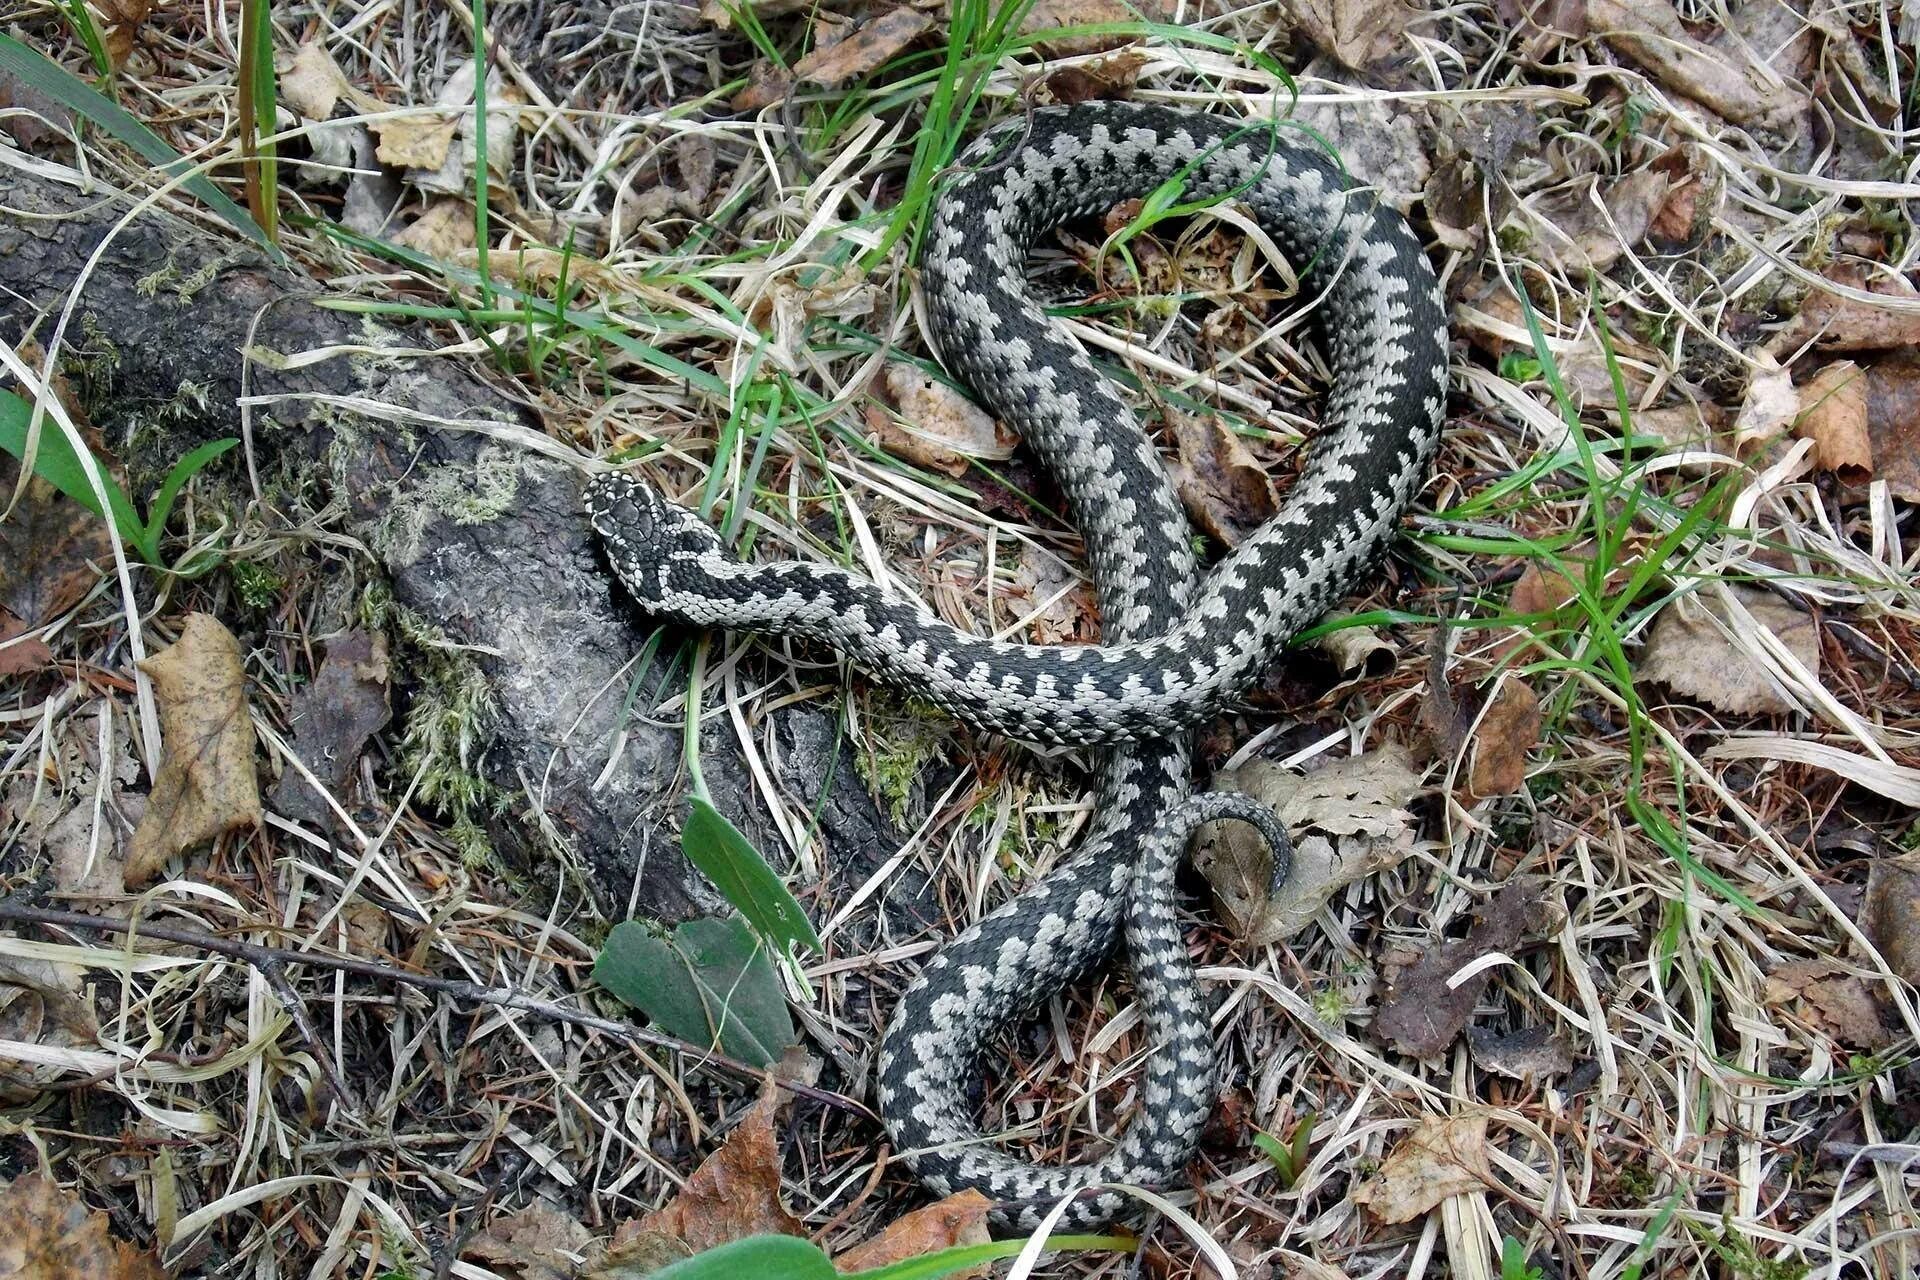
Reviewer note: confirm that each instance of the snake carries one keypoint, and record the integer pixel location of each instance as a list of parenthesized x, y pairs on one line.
[(1176, 645)]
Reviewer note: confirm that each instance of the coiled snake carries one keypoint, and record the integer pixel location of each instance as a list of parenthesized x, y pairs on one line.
[(1175, 646)]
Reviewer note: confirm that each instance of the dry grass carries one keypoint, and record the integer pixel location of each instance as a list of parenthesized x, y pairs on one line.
[(1706, 1130)]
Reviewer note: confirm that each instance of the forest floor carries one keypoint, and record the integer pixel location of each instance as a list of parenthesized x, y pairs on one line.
[(1600, 959)]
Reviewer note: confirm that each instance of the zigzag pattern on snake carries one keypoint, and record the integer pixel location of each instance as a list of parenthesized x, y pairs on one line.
[(1175, 647)]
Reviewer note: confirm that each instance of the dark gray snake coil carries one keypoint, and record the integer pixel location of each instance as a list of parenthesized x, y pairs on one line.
[(1176, 647)]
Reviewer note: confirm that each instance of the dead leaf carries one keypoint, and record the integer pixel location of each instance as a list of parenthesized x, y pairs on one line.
[(1421, 1013), (330, 721), (20, 654), (1358, 652), (938, 426), (1835, 419), (1832, 1001), (85, 862), (537, 1243), (206, 784), (871, 44), (1379, 143), (1057, 15), (1579, 238), (1225, 490), (734, 1193), (1445, 1157), (416, 141), (1771, 406), (124, 20), (51, 1234), (1349, 820), (311, 82), (1357, 33), (1690, 652), (958, 1219), (1893, 423), (1650, 34), (444, 231), (719, 13), (1890, 914), (1526, 1055), (767, 84), (41, 1003)]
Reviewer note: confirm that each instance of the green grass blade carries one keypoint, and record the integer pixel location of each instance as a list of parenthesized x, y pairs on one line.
[(258, 96), (184, 470), (39, 72)]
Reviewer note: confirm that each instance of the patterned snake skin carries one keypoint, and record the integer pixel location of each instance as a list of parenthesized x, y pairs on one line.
[(1175, 647)]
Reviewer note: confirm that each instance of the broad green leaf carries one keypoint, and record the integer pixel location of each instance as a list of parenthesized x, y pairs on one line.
[(55, 462), (736, 868), (37, 71), (755, 1258), (710, 983), (934, 1266)]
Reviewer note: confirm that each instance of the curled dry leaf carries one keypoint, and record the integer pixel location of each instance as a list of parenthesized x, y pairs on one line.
[(1496, 736), (42, 1002), (734, 1193), (1650, 34), (1057, 603), (939, 427), (444, 231), (870, 44), (1058, 15), (1893, 422), (206, 784), (1358, 652), (1691, 652), (959, 1219), (1348, 820), (1445, 1157), (1771, 406), (1378, 141), (330, 721), (1828, 998), (1225, 490), (1422, 1012), (50, 1234), (1835, 419), (416, 141), (1579, 238), (1890, 914), (1833, 322), (1109, 78)]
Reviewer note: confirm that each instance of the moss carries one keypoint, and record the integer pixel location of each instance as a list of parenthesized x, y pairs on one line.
[(257, 583), (900, 746), (466, 495)]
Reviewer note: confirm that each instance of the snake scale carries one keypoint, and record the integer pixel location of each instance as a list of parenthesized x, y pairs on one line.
[(1175, 645)]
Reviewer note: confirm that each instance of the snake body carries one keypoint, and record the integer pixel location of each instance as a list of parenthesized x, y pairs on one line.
[(1175, 647)]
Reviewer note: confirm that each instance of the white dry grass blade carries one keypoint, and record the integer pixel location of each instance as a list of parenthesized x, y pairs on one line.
[(1897, 782)]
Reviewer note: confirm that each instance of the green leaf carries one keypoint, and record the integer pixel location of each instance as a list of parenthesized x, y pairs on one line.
[(736, 868), (1275, 1150), (761, 1257), (37, 71), (184, 470), (55, 462), (710, 983), (933, 1266)]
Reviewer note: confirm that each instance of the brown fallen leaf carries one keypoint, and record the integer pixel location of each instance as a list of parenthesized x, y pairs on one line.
[(1689, 651), (1527, 1055), (1770, 408), (124, 20), (870, 44), (1496, 736), (1893, 422), (1421, 1013), (415, 141), (1357, 33), (1890, 913), (1834, 417), (938, 427), (734, 1193), (1578, 238), (1445, 1157), (1057, 603), (330, 721), (958, 1219), (537, 1243), (1650, 34), (311, 82), (51, 1234), (43, 1003), (1349, 820), (1828, 998), (206, 784), (1225, 490)]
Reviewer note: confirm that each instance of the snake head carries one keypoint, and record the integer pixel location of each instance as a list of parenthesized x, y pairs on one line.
[(651, 543)]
